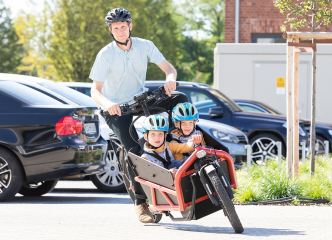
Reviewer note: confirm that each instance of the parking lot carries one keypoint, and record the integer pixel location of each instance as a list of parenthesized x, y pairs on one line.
[(76, 210)]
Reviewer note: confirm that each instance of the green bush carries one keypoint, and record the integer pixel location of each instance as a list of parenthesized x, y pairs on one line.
[(271, 182)]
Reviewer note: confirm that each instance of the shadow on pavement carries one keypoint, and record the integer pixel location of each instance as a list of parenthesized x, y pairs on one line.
[(76, 190), (84, 191), (229, 230), (100, 199)]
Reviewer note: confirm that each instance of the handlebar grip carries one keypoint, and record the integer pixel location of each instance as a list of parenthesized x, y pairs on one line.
[(124, 108)]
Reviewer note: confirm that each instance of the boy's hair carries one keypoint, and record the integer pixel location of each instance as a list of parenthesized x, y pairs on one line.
[(184, 112)]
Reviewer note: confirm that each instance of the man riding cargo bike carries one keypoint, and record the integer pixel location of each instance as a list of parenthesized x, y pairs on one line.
[(203, 182), (118, 74)]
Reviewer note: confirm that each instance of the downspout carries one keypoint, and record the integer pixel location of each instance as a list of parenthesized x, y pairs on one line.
[(237, 18)]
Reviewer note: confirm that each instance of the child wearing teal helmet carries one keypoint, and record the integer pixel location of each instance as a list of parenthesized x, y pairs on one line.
[(185, 116), (160, 152)]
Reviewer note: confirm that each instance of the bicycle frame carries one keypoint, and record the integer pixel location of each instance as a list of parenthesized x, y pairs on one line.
[(182, 172)]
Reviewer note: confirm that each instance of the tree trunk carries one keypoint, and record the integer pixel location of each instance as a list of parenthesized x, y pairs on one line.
[(313, 100)]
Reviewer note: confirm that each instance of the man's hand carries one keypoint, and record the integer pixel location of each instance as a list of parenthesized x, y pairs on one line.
[(170, 86), (174, 171), (113, 109), (196, 139)]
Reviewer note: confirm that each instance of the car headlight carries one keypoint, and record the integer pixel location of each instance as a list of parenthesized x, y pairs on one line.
[(224, 137), (330, 132), (301, 131)]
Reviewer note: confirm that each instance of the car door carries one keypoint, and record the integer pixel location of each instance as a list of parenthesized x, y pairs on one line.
[(203, 100)]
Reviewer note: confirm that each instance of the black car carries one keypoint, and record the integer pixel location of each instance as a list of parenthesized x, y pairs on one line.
[(323, 130), (263, 130), (44, 138)]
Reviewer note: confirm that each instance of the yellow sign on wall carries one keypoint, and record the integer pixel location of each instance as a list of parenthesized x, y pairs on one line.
[(280, 82)]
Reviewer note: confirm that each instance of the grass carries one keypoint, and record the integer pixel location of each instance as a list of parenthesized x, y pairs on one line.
[(271, 182)]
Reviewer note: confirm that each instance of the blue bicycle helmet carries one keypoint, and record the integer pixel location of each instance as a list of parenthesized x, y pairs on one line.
[(184, 112), (155, 123)]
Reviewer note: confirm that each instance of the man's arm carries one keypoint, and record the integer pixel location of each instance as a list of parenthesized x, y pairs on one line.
[(171, 74), (112, 108)]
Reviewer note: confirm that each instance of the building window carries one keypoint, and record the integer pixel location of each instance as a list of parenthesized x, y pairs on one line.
[(267, 38)]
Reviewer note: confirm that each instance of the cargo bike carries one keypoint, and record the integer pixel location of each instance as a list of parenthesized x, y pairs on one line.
[(202, 185)]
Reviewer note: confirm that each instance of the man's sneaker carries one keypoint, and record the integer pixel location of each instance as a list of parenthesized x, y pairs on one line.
[(143, 213)]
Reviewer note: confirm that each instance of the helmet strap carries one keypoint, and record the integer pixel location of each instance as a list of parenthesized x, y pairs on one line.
[(121, 43)]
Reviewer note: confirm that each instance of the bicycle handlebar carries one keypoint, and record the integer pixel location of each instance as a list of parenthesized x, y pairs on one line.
[(139, 104)]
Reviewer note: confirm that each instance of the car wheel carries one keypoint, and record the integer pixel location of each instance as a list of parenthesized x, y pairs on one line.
[(110, 180), (321, 146), (38, 189), (264, 147), (11, 176)]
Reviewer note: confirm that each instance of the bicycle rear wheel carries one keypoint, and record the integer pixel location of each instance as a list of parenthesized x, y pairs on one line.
[(226, 202), (126, 181)]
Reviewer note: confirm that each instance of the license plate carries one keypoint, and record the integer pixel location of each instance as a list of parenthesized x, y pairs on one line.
[(90, 128)]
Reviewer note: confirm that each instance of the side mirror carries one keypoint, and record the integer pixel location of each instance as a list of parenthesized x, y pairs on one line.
[(216, 112)]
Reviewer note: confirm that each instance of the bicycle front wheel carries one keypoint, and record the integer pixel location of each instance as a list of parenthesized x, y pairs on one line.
[(226, 202)]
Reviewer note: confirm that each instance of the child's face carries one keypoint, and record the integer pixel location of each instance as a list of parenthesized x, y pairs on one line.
[(186, 126), (156, 138)]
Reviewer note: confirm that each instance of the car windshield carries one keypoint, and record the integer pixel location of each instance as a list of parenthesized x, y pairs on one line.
[(27, 94), (71, 94), (270, 109), (225, 100)]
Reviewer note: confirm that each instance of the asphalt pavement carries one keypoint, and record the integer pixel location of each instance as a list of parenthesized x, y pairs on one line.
[(77, 210)]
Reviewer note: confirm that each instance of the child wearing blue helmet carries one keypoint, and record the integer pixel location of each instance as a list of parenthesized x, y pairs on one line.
[(160, 152), (185, 116)]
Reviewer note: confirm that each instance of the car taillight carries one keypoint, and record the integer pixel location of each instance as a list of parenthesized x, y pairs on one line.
[(68, 126)]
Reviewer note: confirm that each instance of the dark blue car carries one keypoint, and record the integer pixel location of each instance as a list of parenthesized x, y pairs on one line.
[(263, 130), (323, 130)]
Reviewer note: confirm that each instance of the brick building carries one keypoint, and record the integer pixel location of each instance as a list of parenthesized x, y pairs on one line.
[(259, 21)]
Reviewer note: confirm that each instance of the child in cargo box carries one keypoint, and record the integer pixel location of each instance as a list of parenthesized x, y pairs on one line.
[(160, 152), (184, 117)]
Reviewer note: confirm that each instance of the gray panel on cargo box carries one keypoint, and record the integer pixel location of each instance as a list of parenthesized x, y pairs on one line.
[(152, 172)]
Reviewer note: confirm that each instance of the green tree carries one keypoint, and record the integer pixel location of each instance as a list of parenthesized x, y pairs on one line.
[(79, 32), (206, 17), (11, 51), (33, 31), (196, 61), (311, 14)]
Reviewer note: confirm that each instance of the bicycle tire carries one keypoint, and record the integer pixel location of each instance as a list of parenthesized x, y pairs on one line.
[(226, 202), (125, 175), (157, 217)]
